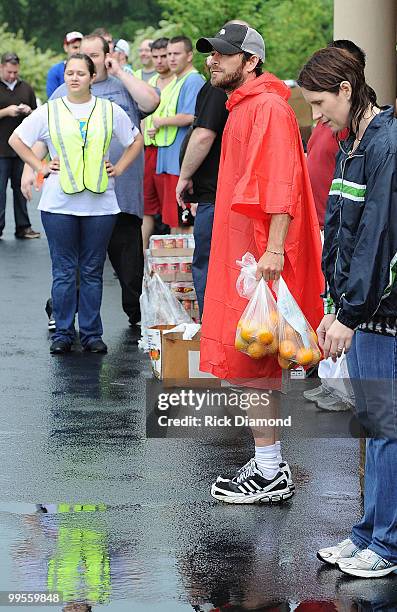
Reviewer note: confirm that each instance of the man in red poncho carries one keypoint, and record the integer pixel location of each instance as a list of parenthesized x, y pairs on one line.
[(264, 205)]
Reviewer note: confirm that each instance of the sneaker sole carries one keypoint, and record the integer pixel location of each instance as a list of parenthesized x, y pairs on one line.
[(331, 408), (291, 485), (368, 573), (257, 498)]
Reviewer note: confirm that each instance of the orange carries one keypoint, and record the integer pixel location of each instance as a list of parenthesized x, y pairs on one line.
[(284, 363), (287, 349), (304, 356), (316, 356), (273, 347), (240, 344), (248, 330), (264, 336), (256, 350)]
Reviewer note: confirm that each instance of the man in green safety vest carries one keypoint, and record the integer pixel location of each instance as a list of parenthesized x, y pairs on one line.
[(162, 81), (172, 120)]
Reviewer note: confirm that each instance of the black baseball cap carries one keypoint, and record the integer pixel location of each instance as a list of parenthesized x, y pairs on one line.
[(234, 38)]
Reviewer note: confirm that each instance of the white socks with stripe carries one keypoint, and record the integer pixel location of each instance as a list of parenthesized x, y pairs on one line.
[(268, 459)]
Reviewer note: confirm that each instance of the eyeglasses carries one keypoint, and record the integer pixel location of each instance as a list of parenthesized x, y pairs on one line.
[(10, 57)]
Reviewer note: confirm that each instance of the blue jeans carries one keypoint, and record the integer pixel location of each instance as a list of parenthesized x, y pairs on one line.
[(77, 244), (372, 363), (11, 168), (202, 237)]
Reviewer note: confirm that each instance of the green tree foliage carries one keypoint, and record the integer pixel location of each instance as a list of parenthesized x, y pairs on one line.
[(292, 29), (49, 21), (34, 62)]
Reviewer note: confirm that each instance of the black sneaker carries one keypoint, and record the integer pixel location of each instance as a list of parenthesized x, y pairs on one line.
[(51, 321), (250, 487), (96, 346), (59, 347), (284, 467)]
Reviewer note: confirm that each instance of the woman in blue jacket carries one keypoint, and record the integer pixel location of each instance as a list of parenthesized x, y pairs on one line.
[(360, 267)]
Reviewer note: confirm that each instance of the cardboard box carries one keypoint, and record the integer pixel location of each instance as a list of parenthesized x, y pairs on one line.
[(175, 360), (171, 252)]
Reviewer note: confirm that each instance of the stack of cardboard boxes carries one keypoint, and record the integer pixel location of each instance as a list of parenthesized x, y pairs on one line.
[(171, 257)]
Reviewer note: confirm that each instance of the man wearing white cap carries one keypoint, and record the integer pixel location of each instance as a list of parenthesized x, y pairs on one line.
[(121, 51), (71, 44)]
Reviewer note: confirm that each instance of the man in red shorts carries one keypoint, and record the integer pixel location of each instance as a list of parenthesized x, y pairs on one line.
[(264, 205), (161, 80), (171, 122)]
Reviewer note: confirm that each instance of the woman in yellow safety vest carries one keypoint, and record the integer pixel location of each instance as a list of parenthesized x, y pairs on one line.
[(78, 204)]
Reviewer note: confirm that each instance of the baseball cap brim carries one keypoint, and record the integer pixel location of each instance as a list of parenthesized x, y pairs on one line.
[(206, 45)]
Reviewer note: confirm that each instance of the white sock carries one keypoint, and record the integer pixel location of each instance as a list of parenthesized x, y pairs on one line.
[(268, 459)]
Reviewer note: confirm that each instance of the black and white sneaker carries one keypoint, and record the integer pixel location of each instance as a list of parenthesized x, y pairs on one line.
[(51, 321), (250, 487), (284, 467)]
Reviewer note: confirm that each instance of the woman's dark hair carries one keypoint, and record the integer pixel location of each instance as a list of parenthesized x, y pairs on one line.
[(326, 70), (86, 58)]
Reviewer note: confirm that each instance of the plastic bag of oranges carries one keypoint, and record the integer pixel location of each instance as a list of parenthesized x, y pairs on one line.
[(257, 329), (297, 339)]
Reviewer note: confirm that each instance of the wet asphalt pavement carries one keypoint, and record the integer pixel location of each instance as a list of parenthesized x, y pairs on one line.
[(73, 435)]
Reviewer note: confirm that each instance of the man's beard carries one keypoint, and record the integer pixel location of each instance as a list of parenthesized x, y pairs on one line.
[(229, 82)]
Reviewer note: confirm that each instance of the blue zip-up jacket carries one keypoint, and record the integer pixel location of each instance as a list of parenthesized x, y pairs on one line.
[(360, 241)]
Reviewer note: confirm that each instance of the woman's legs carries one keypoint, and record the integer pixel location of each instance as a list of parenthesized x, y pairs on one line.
[(94, 236), (62, 233), (372, 362)]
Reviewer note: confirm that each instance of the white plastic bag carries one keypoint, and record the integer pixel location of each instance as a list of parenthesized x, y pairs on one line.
[(297, 339), (159, 306), (335, 378)]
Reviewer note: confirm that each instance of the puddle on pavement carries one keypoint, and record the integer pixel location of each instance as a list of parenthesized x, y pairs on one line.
[(91, 553)]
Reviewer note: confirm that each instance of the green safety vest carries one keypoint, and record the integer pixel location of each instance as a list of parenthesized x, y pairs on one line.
[(81, 563), (167, 108), (82, 161), (149, 119)]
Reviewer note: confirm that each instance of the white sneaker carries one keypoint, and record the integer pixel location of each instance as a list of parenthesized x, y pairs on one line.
[(332, 404), (343, 550), (313, 394), (367, 564)]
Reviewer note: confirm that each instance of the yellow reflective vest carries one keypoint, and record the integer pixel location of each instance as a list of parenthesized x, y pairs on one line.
[(167, 108), (149, 119), (82, 161)]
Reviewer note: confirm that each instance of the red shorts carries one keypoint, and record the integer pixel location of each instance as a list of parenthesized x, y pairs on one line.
[(151, 200), (166, 187)]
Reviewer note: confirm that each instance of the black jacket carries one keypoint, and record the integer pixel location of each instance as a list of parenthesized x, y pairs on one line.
[(360, 241)]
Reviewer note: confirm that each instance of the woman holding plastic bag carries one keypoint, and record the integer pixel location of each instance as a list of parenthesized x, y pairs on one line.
[(359, 262)]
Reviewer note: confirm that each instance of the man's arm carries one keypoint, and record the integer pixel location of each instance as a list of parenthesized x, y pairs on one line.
[(271, 263), (179, 120), (144, 95), (200, 143)]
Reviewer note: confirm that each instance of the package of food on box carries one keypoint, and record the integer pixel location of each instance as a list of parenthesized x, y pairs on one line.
[(184, 290)]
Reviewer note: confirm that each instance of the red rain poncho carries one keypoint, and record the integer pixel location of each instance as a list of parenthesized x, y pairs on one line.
[(262, 172)]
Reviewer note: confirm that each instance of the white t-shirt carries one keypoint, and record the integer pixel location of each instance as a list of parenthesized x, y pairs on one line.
[(86, 203)]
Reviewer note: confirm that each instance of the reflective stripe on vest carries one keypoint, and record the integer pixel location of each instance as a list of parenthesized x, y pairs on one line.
[(149, 119), (82, 161), (167, 108)]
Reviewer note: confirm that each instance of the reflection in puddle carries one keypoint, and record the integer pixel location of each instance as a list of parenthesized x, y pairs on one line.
[(91, 553)]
